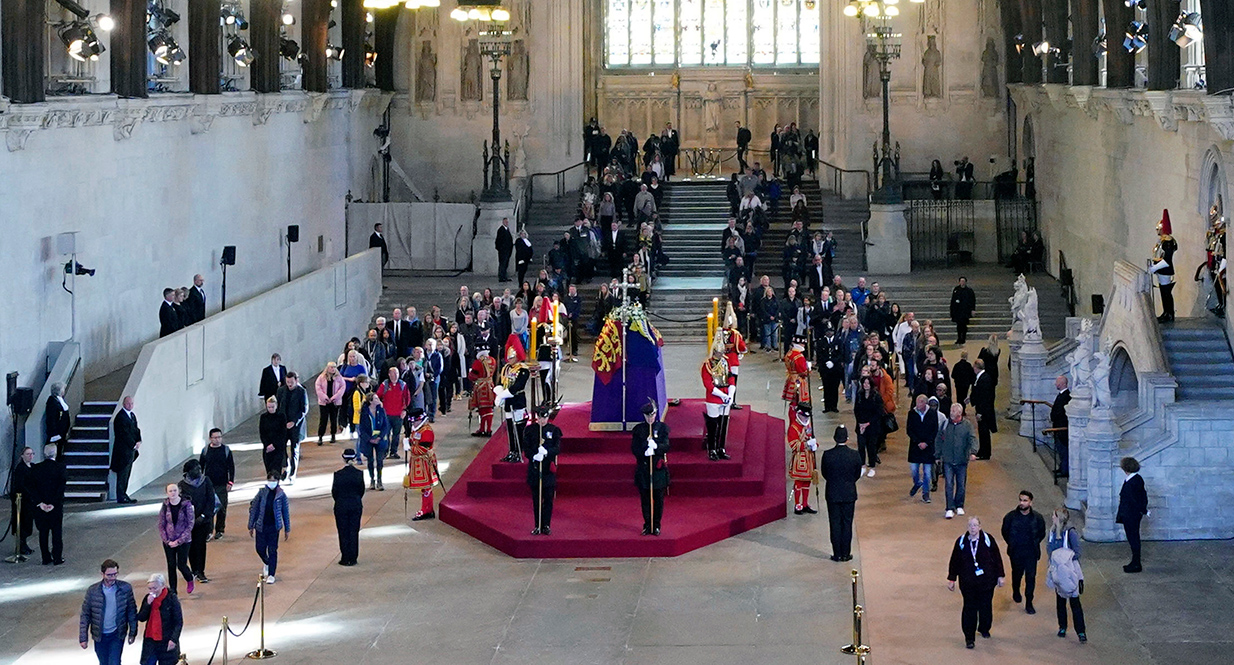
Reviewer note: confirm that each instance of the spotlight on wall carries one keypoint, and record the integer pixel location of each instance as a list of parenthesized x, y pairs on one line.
[(158, 16), (75, 268), (1099, 44), (1136, 4), (1187, 29), (288, 48), (103, 22), (240, 50), (289, 18), (81, 41), (1041, 48), (333, 52), (1019, 43), (233, 15), (1136, 38), (370, 55)]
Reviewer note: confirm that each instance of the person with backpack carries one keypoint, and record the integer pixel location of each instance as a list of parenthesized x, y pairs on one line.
[(1023, 531), (1064, 575)]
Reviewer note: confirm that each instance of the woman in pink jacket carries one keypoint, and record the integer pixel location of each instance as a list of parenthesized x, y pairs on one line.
[(330, 390)]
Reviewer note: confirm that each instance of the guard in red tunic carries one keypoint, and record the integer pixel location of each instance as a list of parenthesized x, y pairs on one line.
[(483, 398), (421, 462), (734, 349), (719, 386), (796, 383), (803, 470)]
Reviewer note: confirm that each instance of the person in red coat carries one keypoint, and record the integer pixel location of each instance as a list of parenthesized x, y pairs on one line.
[(734, 349), (483, 397), (421, 462), (802, 469), (719, 386), (797, 368)]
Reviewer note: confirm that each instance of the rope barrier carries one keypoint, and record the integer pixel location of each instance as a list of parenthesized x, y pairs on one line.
[(252, 611), (218, 640)]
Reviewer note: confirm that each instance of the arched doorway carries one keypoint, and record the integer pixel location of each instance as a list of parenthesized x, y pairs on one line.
[(1124, 385)]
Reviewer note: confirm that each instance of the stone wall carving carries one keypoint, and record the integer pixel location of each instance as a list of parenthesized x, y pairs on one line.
[(470, 88)]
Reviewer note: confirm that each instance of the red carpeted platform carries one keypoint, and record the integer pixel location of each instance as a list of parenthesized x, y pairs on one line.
[(597, 513)]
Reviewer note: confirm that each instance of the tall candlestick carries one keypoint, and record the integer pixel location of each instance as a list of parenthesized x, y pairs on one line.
[(531, 353), (715, 311), (711, 331)]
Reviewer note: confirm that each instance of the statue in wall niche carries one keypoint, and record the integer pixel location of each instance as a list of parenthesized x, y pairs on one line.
[(1101, 381), (989, 69), (426, 73), (1080, 360), (713, 108), (471, 90), (873, 85), (518, 71), (518, 162), (932, 69)]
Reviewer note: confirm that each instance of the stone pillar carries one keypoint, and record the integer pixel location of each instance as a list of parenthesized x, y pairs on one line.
[(483, 251), (1102, 443), (889, 252), (1015, 340), (1033, 377), (1077, 433)]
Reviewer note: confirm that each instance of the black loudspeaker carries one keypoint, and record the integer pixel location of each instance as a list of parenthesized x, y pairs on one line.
[(293, 233), (229, 255), (1066, 277), (22, 401), (1098, 303)]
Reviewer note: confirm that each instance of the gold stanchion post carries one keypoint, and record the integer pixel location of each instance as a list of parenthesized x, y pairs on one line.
[(856, 647), (262, 653), (225, 631), (17, 557)]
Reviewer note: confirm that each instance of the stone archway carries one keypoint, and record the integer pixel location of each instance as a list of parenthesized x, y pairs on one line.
[(1124, 384)]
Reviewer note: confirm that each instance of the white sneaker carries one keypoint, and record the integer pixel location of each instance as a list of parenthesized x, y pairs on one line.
[(270, 579), (864, 468), (870, 473), (949, 514), (959, 511)]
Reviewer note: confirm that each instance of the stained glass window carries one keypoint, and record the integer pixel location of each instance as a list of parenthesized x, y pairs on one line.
[(711, 32)]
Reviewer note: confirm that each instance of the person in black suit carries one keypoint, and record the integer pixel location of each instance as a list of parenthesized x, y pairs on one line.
[(743, 145), (400, 334), (196, 301), (1132, 507), (293, 407), (504, 246), (649, 444), (272, 378), (978, 565), (348, 493), (23, 485), (963, 307), (126, 436), (48, 484), (963, 375), (830, 368), (1058, 419), (982, 401), (523, 253), (840, 468), (613, 243), (818, 276), (377, 240), (541, 445), (169, 318), (56, 418)]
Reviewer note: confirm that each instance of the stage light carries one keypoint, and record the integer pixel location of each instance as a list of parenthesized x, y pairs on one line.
[(288, 48), (240, 50), (1099, 44), (161, 17), (368, 18), (370, 55), (1019, 43), (1187, 29), (288, 18), (1136, 38), (1136, 4), (81, 42), (104, 22), (333, 52), (333, 4), (1041, 48)]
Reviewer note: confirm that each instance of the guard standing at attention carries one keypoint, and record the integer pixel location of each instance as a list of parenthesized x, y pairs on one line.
[(483, 398), (719, 385), (797, 368), (649, 444), (541, 445), (347, 491), (804, 468), (1163, 266), (734, 349), (421, 462), (841, 467), (512, 395)]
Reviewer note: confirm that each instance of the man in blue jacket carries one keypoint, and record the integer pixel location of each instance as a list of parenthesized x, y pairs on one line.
[(108, 614)]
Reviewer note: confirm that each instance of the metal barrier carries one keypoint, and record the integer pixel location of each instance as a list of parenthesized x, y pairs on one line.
[(940, 232), (560, 180), (1012, 217), (856, 647)]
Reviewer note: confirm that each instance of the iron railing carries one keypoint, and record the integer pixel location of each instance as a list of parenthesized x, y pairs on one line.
[(558, 176), (940, 232), (1011, 218)]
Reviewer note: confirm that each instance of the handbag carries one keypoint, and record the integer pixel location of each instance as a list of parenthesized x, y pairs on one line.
[(890, 424)]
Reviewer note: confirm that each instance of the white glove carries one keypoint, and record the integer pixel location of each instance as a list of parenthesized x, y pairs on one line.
[(809, 365), (812, 444), (719, 393), (651, 444), (541, 452), (649, 452), (830, 364), (501, 395), (539, 457), (406, 445), (731, 390)]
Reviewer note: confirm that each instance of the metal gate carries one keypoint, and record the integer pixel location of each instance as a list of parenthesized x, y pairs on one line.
[(940, 232), (1012, 217)]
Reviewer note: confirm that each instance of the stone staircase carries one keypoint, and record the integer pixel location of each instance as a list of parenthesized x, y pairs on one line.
[(828, 212), (87, 454), (1199, 357), (694, 215)]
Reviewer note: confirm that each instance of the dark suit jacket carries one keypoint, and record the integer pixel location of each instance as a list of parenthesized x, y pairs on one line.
[(1058, 411), (126, 435), (1132, 501), (644, 476), (348, 489), (401, 331), (505, 241), (963, 302), (270, 381), (549, 436), (293, 404), (196, 304), (743, 137), (169, 319), (376, 240), (841, 467), (47, 478), (57, 422), (982, 397), (818, 277)]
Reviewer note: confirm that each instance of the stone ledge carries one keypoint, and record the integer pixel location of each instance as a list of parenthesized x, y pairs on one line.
[(1168, 107)]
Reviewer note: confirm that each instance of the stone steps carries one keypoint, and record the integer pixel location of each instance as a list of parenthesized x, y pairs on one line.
[(1199, 357)]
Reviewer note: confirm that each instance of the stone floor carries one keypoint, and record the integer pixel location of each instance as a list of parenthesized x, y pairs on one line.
[(428, 594)]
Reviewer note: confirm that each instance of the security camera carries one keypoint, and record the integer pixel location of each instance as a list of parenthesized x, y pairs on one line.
[(75, 268)]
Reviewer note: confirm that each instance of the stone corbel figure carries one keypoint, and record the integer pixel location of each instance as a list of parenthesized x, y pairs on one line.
[(471, 90), (426, 73), (872, 85), (989, 69), (1101, 381), (932, 70), (519, 69)]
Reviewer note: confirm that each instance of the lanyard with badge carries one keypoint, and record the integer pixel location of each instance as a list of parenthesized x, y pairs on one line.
[(976, 567)]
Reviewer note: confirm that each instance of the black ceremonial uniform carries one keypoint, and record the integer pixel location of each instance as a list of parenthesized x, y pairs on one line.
[(542, 475), (347, 491), (651, 472), (514, 379)]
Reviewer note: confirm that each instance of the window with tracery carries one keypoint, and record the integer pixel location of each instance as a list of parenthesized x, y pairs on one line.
[(658, 33)]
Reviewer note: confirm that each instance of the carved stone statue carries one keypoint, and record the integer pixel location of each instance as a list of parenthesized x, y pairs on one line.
[(932, 69), (518, 71), (1032, 321), (872, 85), (426, 73), (1081, 358), (713, 108), (1101, 381), (471, 90), (989, 69), (1019, 294), (518, 162)]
